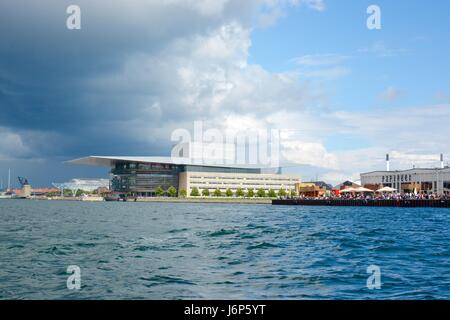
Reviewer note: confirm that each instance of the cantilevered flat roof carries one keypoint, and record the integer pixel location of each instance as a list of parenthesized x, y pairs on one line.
[(110, 161), (407, 170)]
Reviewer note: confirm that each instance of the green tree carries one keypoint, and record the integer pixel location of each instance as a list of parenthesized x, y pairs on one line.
[(240, 193), (159, 192), (282, 193), (261, 193), (293, 193), (205, 193), (172, 191), (250, 193), (195, 192), (272, 193), (183, 193), (68, 193), (229, 193), (217, 193), (80, 193)]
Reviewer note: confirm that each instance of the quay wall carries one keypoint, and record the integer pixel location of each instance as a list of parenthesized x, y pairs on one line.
[(365, 203)]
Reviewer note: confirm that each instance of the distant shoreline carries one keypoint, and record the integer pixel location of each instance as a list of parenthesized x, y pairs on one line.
[(208, 200), (166, 200)]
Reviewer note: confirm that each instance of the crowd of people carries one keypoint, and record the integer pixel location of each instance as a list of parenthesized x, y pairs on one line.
[(379, 196)]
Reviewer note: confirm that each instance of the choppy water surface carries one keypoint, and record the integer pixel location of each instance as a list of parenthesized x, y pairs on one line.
[(211, 251)]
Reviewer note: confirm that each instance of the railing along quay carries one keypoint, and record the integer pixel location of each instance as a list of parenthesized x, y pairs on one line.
[(363, 203)]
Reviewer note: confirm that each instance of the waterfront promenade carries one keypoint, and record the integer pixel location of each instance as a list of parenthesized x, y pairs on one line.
[(408, 203), (218, 200)]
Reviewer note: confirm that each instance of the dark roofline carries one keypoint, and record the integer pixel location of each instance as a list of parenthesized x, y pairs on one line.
[(407, 170)]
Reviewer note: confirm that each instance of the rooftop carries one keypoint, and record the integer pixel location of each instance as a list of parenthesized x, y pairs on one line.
[(110, 161), (406, 170)]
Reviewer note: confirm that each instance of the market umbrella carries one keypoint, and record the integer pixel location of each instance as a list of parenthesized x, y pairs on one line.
[(361, 189), (387, 189)]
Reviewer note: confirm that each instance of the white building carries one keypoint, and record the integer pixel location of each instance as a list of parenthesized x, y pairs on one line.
[(234, 181), (142, 176), (417, 180), (83, 184)]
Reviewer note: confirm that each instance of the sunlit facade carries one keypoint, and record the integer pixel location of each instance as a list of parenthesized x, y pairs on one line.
[(418, 180), (142, 176)]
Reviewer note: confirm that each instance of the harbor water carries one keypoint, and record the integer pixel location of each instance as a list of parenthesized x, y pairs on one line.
[(221, 251)]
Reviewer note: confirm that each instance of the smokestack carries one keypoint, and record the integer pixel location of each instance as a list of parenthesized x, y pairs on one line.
[(442, 161), (388, 168)]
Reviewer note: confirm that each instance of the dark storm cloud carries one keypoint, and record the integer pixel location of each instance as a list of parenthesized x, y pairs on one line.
[(46, 69), (136, 71)]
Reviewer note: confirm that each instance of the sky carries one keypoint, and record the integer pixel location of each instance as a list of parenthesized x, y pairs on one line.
[(341, 95)]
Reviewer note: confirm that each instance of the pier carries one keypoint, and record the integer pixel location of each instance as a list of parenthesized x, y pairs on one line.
[(364, 203)]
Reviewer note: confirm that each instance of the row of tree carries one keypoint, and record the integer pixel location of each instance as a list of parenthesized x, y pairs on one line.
[(71, 193), (240, 193)]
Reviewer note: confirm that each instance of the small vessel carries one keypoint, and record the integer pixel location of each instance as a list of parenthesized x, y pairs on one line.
[(113, 197), (91, 198), (5, 195), (19, 196), (119, 197)]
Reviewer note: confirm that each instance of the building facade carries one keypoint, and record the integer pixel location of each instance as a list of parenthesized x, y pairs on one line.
[(234, 181), (83, 184), (418, 180), (141, 176)]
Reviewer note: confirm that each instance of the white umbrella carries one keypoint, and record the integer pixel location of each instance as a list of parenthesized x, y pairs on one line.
[(348, 190), (361, 189), (387, 189)]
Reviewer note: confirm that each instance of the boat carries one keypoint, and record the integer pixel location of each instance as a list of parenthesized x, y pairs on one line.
[(119, 197), (5, 195), (19, 196), (91, 198), (113, 197)]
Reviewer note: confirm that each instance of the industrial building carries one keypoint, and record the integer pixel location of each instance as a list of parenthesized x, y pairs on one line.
[(415, 180), (141, 176)]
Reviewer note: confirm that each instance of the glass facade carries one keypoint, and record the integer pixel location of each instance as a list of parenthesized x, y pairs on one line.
[(142, 179), (191, 168)]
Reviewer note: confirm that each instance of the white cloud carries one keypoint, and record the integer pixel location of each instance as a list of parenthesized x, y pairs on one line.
[(318, 5), (206, 75), (408, 159), (307, 153), (11, 145), (335, 178), (391, 94), (328, 73), (321, 66), (272, 10), (206, 7), (380, 49), (442, 96), (319, 59), (193, 64)]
